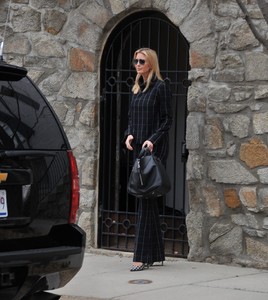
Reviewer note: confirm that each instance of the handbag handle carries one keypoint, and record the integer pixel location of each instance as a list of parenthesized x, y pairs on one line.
[(144, 151)]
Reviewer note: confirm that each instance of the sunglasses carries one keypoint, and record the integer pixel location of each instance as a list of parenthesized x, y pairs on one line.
[(138, 61)]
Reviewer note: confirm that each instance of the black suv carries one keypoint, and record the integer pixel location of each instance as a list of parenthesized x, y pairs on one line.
[(41, 248)]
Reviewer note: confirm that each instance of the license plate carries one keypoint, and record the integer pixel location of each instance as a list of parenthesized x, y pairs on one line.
[(3, 204)]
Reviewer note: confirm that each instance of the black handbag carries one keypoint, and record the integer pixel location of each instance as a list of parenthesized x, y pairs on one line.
[(148, 178)]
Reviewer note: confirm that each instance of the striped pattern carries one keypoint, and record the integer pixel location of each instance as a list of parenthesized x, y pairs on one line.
[(150, 118), (149, 246), (150, 114)]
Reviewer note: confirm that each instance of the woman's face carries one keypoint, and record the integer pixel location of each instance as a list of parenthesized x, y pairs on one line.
[(142, 69)]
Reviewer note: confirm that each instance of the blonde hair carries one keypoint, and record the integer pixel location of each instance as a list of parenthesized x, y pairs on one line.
[(152, 60)]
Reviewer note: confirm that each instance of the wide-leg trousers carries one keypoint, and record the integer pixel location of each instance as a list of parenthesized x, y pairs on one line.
[(149, 246)]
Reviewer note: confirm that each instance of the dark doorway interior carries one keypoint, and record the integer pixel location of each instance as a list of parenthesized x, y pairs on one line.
[(117, 210)]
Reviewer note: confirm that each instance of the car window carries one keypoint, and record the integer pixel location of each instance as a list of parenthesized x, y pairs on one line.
[(26, 120)]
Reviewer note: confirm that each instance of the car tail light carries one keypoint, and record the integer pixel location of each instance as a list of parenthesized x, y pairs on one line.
[(75, 192)]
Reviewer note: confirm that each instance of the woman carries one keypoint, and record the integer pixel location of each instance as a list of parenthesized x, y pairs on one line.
[(149, 121)]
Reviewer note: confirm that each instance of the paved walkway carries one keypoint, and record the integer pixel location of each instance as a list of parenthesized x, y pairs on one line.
[(106, 275)]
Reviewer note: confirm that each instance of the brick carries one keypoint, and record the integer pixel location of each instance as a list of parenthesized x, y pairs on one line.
[(254, 153), (231, 198), (81, 60)]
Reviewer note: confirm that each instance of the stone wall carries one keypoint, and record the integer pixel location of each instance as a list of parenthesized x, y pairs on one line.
[(227, 129), (61, 42), (57, 42)]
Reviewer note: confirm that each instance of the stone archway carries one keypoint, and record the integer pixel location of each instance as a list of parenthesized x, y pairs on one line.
[(118, 209), (227, 109), (222, 74)]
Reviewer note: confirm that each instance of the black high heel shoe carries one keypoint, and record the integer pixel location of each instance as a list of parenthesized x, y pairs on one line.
[(138, 268), (160, 263)]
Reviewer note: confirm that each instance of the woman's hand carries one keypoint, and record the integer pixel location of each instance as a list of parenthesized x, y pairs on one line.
[(149, 145), (128, 142)]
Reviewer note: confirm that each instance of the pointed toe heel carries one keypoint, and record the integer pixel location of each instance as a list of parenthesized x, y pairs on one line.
[(138, 268)]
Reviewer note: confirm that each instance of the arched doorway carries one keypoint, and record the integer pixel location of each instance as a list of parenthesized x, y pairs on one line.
[(117, 209)]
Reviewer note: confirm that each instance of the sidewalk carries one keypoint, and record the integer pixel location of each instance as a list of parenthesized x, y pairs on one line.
[(105, 275)]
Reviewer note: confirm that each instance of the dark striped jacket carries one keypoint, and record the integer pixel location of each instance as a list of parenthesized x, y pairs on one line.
[(150, 115)]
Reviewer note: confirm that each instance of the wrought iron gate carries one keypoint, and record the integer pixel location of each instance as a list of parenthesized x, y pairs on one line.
[(117, 210)]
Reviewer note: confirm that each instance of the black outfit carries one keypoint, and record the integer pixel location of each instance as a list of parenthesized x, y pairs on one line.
[(150, 118)]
